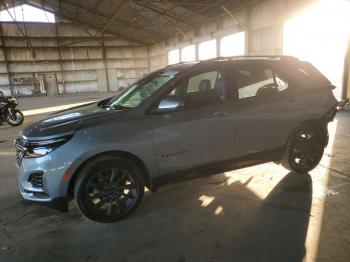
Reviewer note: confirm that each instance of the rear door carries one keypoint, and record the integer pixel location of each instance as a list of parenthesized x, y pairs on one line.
[(201, 133), (264, 106)]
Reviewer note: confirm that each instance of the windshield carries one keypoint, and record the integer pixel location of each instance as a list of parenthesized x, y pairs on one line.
[(138, 92)]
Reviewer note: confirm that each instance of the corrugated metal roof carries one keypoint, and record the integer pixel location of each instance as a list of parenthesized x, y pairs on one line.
[(142, 21)]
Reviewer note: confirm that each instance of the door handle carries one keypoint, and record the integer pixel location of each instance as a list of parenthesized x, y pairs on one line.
[(218, 114)]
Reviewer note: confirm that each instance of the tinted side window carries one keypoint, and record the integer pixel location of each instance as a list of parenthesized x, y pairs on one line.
[(253, 82), (201, 89), (195, 82)]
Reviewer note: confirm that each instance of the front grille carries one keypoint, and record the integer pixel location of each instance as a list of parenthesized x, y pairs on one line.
[(36, 179)]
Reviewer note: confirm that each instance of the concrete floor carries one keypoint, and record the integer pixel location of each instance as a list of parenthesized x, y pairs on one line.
[(261, 213)]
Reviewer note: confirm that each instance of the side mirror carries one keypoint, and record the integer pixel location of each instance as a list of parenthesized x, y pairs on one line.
[(169, 105)]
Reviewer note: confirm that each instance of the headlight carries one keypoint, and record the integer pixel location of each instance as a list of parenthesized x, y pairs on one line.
[(39, 151), (42, 148)]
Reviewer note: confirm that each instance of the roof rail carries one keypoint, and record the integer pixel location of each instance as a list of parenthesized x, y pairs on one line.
[(275, 57), (281, 57)]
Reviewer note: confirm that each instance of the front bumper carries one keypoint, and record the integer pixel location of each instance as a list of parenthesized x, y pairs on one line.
[(50, 168)]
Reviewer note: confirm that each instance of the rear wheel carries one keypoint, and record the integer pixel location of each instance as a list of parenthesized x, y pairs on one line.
[(14, 117), (304, 149), (108, 189)]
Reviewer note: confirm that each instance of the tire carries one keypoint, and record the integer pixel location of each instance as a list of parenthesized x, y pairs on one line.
[(108, 188), (14, 119), (304, 149)]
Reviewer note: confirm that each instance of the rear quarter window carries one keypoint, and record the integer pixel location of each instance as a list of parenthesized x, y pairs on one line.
[(309, 76), (259, 81)]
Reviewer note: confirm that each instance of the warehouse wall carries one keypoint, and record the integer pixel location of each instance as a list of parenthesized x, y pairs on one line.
[(224, 26), (73, 57), (77, 62), (264, 30)]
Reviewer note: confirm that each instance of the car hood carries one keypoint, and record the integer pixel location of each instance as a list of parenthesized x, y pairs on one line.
[(67, 121)]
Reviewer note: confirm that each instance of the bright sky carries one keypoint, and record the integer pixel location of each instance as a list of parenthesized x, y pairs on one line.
[(27, 13)]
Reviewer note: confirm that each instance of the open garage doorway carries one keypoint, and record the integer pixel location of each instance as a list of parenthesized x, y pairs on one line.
[(320, 34)]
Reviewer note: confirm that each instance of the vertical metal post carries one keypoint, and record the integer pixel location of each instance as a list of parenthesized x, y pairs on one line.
[(218, 47), (248, 33), (60, 59), (105, 61), (346, 74), (148, 60), (3, 47)]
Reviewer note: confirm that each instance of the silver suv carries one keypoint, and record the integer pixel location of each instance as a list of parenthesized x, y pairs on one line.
[(176, 123)]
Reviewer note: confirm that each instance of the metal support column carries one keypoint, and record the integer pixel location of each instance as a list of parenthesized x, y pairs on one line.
[(60, 59), (248, 33), (346, 77), (3, 47), (148, 60), (105, 61)]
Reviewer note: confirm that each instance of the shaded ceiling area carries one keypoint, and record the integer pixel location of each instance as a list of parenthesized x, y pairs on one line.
[(142, 21)]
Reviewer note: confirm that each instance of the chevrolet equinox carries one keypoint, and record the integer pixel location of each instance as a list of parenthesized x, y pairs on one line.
[(176, 123)]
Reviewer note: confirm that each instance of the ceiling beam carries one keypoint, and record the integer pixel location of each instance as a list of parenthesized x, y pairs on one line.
[(17, 24), (234, 18), (97, 4), (233, 11), (122, 36), (175, 20), (84, 26), (101, 16), (111, 19), (179, 3)]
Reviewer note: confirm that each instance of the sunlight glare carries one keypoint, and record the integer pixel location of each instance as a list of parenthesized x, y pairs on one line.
[(206, 200), (207, 50), (219, 210), (53, 108), (173, 57), (319, 35), (233, 45), (319, 188), (188, 53)]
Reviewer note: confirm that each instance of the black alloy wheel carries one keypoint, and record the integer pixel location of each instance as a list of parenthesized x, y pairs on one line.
[(109, 189), (304, 149)]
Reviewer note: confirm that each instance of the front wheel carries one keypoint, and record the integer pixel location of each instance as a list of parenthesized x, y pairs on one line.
[(109, 188), (14, 117), (304, 149)]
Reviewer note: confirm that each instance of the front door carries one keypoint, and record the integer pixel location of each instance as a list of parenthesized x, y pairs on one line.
[(201, 133)]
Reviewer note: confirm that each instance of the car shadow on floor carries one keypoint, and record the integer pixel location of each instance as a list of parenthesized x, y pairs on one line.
[(278, 230), (200, 220), (244, 226)]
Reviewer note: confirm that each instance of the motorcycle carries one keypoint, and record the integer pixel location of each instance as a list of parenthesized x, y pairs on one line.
[(8, 111)]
